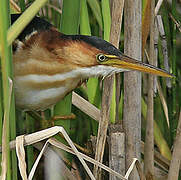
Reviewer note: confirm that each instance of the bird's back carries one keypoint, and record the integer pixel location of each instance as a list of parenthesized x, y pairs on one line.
[(37, 24)]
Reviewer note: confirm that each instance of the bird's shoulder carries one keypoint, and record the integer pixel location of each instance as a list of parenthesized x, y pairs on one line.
[(39, 31)]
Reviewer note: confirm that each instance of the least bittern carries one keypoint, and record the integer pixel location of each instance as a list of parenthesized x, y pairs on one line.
[(48, 64)]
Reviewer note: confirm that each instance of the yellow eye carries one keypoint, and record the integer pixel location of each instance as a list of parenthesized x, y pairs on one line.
[(101, 57)]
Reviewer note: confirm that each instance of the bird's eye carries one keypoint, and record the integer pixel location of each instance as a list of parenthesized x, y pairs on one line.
[(101, 57)]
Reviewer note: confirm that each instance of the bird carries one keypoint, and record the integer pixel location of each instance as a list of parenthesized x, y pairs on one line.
[(48, 64)]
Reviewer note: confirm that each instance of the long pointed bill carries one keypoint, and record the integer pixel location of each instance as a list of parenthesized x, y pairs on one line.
[(125, 62)]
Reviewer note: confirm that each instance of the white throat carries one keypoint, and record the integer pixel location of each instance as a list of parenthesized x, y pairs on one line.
[(100, 70)]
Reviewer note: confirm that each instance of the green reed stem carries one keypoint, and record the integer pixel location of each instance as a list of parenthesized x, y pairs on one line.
[(106, 14), (95, 7), (69, 25), (5, 65), (173, 124), (93, 90), (158, 137), (29, 129)]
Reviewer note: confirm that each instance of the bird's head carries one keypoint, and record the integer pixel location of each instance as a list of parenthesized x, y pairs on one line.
[(95, 57)]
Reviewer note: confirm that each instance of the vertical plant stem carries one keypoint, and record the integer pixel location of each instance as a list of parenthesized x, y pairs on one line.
[(176, 155), (158, 136), (116, 22), (103, 124), (145, 24), (94, 5), (84, 19), (13, 136), (1, 116), (149, 140), (93, 86), (161, 29), (69, 25), (116, 136), (70, 13), (106, 13), (173, 123), (13, 126), (5, 65), (132, 83), (29, 129), (106, 98)]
